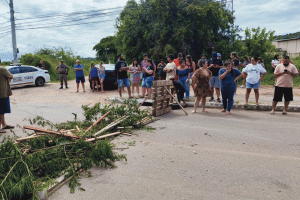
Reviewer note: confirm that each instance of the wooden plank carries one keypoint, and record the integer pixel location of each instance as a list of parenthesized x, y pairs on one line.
[(20, 140), (111, 125), (163, 97), (101, 118), (102, 137), (177, 102), (50, 132)]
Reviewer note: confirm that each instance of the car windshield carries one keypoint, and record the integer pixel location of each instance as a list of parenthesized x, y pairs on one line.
[(107, 66)]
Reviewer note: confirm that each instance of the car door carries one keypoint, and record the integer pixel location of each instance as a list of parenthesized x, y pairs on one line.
[(18, 79), (28, 74)]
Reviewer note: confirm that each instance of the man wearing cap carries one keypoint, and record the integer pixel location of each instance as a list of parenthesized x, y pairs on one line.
[(63, 70), (214, 81), (5, 92), (78, 68)]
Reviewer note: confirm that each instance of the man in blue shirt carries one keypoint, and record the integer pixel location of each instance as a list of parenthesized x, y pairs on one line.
[(121, 69), (79, 75)]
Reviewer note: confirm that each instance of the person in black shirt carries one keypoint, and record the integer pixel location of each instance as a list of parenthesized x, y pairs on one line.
[(236, 63), (41, 65), (121, 69), (148, 78), (179, 90), (214, 81)]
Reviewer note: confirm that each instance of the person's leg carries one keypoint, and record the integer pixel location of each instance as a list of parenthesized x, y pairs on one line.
[(61, 79), (129, 92), (274, 104), (2, 121), (66, 80), (187, 89), (93, 85), (132, 89), (212, 93), (196, 104), (102, 86), (149, 91), (203, 102), (218, 93), (278, 93), (256, 91), (120, 85), (231, 92), (123, 88), (286, 105), (143, 87), (77, 87), (224, 98), (248, 91), (137, 88), (83, 86)]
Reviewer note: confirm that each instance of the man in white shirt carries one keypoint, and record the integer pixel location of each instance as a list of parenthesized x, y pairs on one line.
[(170, 68), (284, 73), (253, 71)]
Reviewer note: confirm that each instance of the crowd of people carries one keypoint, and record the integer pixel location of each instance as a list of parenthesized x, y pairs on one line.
[(208, 77), (205, 79)]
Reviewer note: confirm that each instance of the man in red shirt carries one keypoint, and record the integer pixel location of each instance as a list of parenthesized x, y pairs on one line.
[(178, 59)]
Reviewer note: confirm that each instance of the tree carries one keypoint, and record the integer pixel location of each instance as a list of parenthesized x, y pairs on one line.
[(160, 27), (106, 49), (258, 43)]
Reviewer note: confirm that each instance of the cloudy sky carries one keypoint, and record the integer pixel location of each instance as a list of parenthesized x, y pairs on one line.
[(95, 20)]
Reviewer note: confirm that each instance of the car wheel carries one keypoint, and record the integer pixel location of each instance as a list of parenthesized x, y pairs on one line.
[(39, 81)]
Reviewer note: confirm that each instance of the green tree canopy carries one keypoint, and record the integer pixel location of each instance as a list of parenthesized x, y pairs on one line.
[(106, 49), (160, 27)]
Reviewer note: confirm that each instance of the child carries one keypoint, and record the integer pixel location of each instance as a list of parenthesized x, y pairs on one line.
[(94, 76), (179, 90)]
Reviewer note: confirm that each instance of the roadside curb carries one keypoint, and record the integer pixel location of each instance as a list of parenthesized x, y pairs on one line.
[(262, 107)]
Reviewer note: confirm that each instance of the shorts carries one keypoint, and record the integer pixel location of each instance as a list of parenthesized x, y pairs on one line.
[(283, 91), (147, 82), (124, 81), (4, 105), (215, 82), (102, 76), (254, 86), (94, 79), (80, 79)]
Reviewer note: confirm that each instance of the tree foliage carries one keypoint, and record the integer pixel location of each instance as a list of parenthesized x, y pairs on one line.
[(106, 49), (160, 27), (288, 36)]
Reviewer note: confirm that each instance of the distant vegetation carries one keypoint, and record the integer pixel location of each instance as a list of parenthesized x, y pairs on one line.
[(288, 36), (52, 58)]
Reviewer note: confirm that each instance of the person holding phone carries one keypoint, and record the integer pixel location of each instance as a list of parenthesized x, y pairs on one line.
[(148, 78), (284, 73), (228, 77)]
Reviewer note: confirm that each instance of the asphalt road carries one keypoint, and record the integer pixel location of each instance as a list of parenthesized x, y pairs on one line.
[(247, 155)]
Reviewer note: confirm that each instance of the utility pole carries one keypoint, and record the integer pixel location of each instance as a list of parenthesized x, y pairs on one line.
[(13, 32)]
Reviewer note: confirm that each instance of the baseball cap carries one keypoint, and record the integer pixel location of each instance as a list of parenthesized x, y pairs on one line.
[(218, 54), (61, 61)]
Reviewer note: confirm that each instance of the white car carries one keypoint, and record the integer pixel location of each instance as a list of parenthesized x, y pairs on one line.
[(28, 75)]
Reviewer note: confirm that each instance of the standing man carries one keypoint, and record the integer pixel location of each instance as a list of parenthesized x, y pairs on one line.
[(284, 73), (121, 69), (201, 61), (63, 70), (170, 70), (79, 75), (41, 65), (253, 71), (5, 92), (215, 81)]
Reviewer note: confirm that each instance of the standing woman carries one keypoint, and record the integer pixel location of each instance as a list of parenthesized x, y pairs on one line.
[(228, 77), (192, 66), (161, 73), (135, 71), (201, 86), (261, 62), (101, 74), (183, 73), (94, 76)]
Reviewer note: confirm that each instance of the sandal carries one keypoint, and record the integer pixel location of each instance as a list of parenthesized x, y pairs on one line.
[(185, 105), (8, 127)]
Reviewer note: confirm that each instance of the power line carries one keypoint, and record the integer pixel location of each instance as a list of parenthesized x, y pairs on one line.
[(6, 2)]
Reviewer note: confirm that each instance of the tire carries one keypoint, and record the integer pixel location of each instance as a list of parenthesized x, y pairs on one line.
[(40, 81)]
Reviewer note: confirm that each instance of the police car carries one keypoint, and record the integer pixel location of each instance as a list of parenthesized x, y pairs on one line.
[(28, 75)]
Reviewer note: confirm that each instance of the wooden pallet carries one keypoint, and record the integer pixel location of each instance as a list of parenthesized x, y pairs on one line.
[(161, 98)]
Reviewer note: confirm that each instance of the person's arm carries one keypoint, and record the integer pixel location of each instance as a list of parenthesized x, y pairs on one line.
[(273, 65), (194, 67), (130, 71), (103, 70), (262, 76), (293, 73), (8, 75), (222, 76), (57, 69), (139, 69), (148, 71), (238, 77), (67, 69), (198, 64)]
